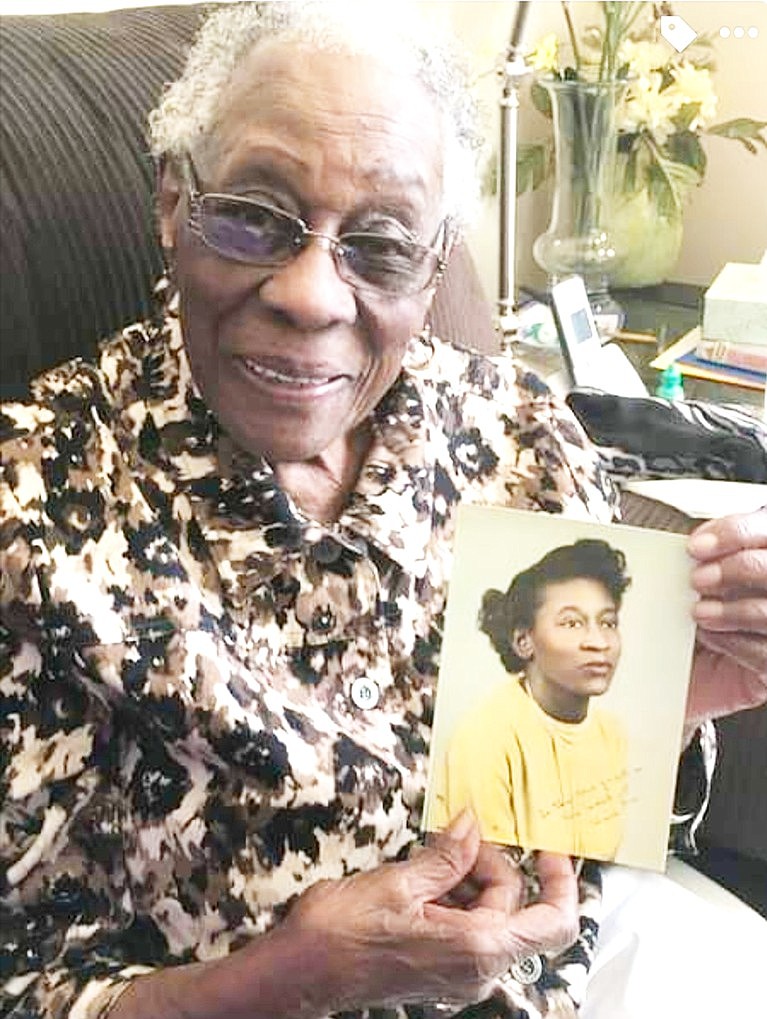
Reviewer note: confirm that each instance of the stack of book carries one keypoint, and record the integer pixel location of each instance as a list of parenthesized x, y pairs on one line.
[(751, 357), (731, 345), (693, 354)]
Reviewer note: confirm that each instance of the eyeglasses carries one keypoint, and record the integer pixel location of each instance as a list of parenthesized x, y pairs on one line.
[(260, 234)]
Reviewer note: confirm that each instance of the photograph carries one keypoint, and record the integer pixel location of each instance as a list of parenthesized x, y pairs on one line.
[(560, 703)]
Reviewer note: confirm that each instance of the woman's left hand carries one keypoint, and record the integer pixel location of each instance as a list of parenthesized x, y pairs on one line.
[(730, 576)]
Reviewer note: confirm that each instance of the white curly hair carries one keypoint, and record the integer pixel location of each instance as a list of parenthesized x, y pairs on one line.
[(186, 115)]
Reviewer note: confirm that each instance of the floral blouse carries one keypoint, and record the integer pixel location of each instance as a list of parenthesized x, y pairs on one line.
[(184, 744)]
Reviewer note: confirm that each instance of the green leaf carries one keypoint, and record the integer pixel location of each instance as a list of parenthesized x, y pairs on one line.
[(541, 99), (687, 113), (685, 147), (661, 191), (742, 129), (629, 169), (533, 162), (626, 171), (666, 78), (668, 181)]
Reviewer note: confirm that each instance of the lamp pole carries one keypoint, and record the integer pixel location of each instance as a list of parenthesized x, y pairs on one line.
[(513, 71)]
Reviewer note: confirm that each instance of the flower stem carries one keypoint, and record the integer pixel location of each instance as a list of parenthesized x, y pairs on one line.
[(619, 16), (573, 36)]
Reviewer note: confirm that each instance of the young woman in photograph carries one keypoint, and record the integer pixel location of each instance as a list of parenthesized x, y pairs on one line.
[(538, 763)]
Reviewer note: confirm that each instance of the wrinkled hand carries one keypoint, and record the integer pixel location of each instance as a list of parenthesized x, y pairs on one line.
[(440, 926), (730, 666)]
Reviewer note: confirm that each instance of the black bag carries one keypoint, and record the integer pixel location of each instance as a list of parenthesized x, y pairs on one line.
[(654, 438)]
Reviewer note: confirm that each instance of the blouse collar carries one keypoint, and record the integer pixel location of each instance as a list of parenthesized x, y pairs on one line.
[(165, 419)]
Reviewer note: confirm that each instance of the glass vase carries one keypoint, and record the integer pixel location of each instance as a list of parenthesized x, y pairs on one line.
[(578, 239), (649, 241)]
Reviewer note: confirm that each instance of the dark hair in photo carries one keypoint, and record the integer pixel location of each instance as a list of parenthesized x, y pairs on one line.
[(505, 613)]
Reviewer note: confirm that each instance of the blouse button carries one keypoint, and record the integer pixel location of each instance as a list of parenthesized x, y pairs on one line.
[(527, 970), (326, 551), (323, 620), (365, 693)]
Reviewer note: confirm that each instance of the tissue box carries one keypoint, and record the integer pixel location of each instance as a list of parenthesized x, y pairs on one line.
[(735, 305)]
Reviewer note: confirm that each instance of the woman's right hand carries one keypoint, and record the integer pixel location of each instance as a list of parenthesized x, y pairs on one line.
[(438, 927)]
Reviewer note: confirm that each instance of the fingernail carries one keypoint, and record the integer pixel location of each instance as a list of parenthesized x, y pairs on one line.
[(704, 544), (461, 825), (707, 576), (708, 609)]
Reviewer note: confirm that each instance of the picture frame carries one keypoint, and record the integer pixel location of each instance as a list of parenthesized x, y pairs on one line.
[(646, 693)]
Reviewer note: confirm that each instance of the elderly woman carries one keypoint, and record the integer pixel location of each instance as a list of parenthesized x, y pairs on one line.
[(225, 548)]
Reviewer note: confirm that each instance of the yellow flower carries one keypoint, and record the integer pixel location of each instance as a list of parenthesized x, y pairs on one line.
[(643, 57), (545, 54), (647, 108), (693, 85)]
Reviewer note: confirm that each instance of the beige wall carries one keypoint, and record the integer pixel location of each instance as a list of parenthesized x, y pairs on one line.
[(727, 217)]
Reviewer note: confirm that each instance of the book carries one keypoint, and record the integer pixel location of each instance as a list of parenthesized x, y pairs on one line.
[(736, 355), (599, 785), (683, 352)]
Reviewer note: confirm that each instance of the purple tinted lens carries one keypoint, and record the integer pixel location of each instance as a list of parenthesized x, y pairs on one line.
[(387, 263), (248, 231)]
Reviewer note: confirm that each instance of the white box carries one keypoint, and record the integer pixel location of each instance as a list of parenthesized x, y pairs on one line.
[(735, 305)]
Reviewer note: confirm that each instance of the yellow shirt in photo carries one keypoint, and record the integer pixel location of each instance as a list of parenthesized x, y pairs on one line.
[(533, 780)]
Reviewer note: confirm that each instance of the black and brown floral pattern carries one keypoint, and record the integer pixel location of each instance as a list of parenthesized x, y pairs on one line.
[(180, 752)]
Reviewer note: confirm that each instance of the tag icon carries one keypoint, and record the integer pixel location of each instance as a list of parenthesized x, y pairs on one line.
[(676, 31)]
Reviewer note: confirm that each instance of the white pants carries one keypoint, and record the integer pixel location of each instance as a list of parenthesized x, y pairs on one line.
[(676, 946)]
